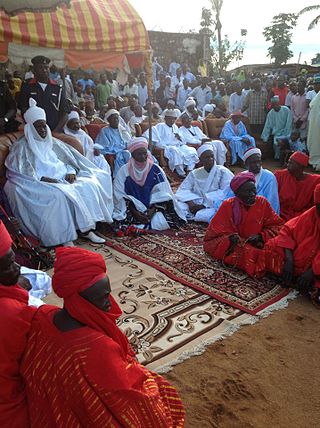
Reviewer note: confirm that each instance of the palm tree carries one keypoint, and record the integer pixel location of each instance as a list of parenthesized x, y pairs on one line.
[(216, 6), (316, 20)]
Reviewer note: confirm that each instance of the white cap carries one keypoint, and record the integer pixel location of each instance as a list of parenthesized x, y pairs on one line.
[(189, 102), (73, 115), (34, 113), (169, 113), (250, 152), (111, 112), (203, 148), (209, 108)]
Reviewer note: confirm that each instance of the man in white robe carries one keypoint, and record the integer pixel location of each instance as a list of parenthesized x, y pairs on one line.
[(142, 193), (166, 136), (313, 140), (52, 188), (203, 187), (192, 135), (90, 150)]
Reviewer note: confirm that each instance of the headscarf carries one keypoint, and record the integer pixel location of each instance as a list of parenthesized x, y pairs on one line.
[(139, 171), (316, 196), (85, 140), (76, 270), (237, 181), (300, 158), (5, 240), (46, 161), (250, 152)]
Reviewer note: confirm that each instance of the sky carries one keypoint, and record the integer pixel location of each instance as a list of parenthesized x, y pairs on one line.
[(253, 15)]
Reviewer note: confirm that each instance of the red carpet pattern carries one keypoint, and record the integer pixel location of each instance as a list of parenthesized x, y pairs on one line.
[(180, 255)]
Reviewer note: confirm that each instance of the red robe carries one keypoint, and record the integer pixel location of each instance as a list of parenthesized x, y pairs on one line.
[(302, 236), (295, 196), (15, 320), (84, 378), (256, 219)]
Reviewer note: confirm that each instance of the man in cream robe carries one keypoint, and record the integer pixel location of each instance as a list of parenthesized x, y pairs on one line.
[(53, 188), (166, 136), (313, 140), (203, 187), (192, 135)]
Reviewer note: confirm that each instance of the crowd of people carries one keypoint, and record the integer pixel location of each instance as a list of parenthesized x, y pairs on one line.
[(85, 163)]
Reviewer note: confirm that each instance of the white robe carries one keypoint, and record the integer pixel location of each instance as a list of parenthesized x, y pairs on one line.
[(176, 151), (53, 212), (194, 135), (161, 192), (313, 140), (203, 188), (87, 144)]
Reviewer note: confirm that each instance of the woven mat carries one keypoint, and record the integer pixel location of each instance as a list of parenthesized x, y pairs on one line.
[(180, 255), (165, 321)]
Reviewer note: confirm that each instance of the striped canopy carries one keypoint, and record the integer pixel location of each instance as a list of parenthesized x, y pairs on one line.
[(111, 26)]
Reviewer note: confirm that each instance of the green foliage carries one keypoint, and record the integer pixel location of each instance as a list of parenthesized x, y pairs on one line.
[(316, 59), (280, 34), (229, 52), (316, 20)]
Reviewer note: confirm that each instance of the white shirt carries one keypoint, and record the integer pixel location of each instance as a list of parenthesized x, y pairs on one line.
[(202, 95), (236, 102), (131, 90), (142, 94), (310, 95), (182, 95), (173, 68)]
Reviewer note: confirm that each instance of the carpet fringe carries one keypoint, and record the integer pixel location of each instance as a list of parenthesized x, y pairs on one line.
[(230, 330)]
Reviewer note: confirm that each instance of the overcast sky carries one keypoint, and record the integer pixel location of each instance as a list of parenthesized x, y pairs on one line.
[(253, 15)]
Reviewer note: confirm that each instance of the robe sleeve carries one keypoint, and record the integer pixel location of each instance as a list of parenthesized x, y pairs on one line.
[(267, 129), (288, 127), (186, 191), (271, 222)]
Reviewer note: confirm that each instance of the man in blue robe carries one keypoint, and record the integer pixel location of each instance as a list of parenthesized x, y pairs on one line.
[(235, 132), (114, 140)]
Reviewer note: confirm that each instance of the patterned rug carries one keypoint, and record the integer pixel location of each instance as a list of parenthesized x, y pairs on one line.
[(180, 255), (165, 321)]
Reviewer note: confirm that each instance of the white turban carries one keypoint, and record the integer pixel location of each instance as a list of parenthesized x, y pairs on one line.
[(169, 113), (189, 102), (209, 108), (111, 112), (34, 113), (250, 152), (73, 115), (203, 148)]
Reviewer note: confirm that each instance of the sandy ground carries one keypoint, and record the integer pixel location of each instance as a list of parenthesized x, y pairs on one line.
[(265, 375)]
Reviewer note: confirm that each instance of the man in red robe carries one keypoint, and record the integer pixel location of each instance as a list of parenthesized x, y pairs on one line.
[(241, 227), (295, 186), (78, 366), (15, 320), (295, 252)]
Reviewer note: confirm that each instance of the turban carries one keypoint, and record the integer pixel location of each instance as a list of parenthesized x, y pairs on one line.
[(5, 240), (137, 143), (317, 194), (209, 108), (204, 148), (169, 113), (111, 112), (189, 102), (34, 113), (75, 270), (237, 113), (250, 152), (300, 158), (275, 99), (241, 178), (73, 115)]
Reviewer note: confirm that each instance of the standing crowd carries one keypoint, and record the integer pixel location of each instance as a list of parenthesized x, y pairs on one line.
[(88, 162)]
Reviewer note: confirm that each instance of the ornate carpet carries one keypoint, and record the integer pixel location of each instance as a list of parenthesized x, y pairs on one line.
[(165, 321), (180, 255)]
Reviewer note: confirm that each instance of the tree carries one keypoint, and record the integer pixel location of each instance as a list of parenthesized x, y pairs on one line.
[(280, 34), (316, 20), (316, 59), (223, 52)]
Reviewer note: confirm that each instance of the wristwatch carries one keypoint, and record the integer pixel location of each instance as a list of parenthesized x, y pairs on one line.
[(6, 119)]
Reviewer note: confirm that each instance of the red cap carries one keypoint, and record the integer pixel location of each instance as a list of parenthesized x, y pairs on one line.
[(300, 158)]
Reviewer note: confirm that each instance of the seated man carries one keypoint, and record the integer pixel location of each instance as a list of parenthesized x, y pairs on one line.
[(235, 132), (192, 135), (166, 136), (136, 119), (241, 227), (295, 252), (90, 150), (266, 183), (142, 193), (72, 352), (295, 186), (114, 140), (15, 319), (127, 112), (203, 186), (278, 124), (52, 188)]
